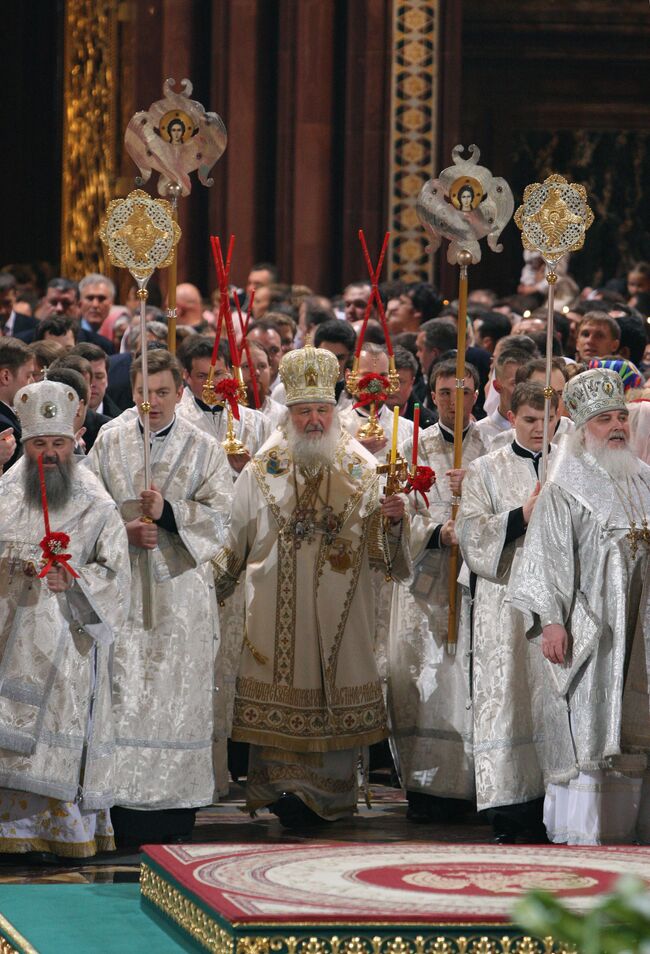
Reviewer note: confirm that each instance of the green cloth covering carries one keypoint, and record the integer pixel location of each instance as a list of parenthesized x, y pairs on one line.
[(86, 919)]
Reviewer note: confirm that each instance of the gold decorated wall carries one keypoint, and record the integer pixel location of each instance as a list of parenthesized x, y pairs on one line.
[(90, 131), (413, 132), (337, 112)]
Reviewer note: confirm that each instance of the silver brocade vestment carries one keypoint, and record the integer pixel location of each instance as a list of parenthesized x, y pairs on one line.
[(55, 646), (383, 590), (252, 430), (506, 765), (577, 569), (163, 677), (428, 690)]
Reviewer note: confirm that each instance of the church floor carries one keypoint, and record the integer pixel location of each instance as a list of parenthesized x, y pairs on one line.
[(226, 822)]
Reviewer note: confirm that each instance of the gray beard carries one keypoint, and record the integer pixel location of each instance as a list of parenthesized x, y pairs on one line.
[(618, 463), (58, 484), (311, 453)]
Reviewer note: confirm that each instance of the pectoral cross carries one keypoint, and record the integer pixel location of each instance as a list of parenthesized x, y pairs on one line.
[(637, 535)]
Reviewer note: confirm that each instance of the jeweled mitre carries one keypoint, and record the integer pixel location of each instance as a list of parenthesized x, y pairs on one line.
[(309, 375), (593, 392)]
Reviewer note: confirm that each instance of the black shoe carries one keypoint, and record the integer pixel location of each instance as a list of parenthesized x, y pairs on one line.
[(293, 813), (426, 809), (534, 836), (520, 823), (418, 808)]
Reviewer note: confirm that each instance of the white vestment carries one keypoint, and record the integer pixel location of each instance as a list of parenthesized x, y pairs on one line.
[(274, 413), (493, 425), (578, 569), (564, 427), (308, 689), (352, 420), (428, 689), (163, 676), (252, 429), (507, 770), (56, 725)]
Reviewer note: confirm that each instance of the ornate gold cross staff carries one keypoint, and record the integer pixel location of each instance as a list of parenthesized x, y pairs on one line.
[(553, 220), (175, 136), (140, 234), (464, 204)]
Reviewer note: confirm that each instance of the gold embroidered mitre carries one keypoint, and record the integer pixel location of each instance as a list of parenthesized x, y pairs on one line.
[(309, 375), (593, 392)]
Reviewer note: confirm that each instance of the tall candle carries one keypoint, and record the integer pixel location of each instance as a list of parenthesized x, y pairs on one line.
[(416, 432), (393, 449)]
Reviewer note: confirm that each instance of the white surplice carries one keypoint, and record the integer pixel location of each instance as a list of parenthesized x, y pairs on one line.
[(163, 676)]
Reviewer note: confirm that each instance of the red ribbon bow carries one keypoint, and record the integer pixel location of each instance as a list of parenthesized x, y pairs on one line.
[(227, 390), (421, 482), (372, 388), (54, 545)]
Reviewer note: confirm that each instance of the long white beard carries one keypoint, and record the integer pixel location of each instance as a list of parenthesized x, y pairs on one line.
[(618, 463), (313, 451)]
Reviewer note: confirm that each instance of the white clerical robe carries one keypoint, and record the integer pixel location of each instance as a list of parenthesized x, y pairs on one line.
[(308, 684), (252, 428), (579, 569), (163, 676), (565, 426), (507, 770), (428, 690), (56, 724), (274, 413), (493, 425), (352, 420)]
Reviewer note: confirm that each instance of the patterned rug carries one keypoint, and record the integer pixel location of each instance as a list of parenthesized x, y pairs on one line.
[(317, 898)]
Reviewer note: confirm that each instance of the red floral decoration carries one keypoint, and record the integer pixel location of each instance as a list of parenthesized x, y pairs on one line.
[(421, 482), (227, 390), (54, 545), (372, 388)]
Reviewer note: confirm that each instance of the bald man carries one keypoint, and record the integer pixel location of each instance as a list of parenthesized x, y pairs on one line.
[(189, 307)]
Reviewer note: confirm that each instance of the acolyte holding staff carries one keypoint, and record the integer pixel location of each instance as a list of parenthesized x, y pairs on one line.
[(465, 204)]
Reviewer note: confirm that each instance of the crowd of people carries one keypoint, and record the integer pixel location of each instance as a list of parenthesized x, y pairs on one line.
[(272, 612)]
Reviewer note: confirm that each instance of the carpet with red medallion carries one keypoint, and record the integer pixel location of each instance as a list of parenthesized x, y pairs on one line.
[(404, 898)]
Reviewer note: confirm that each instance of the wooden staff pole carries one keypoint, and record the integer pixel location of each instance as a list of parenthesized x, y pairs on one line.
[(464, 259)]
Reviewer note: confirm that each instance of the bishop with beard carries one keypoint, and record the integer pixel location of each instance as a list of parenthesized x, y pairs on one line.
[(56, 728), (309, 527), (582, 579)]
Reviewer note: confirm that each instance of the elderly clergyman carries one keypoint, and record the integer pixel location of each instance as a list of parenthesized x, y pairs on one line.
[(308, 527), (56, 728), (583, 573)]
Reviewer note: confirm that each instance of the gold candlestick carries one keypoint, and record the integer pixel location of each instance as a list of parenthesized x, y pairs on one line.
[(372, 428), (231, 445)]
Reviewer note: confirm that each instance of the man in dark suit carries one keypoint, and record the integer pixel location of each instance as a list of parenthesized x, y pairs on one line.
[(406, 366), (62, 301), (100, 401), (119, 380), (16, 367), (91, 420), (12, 323)]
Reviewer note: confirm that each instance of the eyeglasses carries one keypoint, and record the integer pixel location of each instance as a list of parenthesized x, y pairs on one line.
[(96, 297)]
